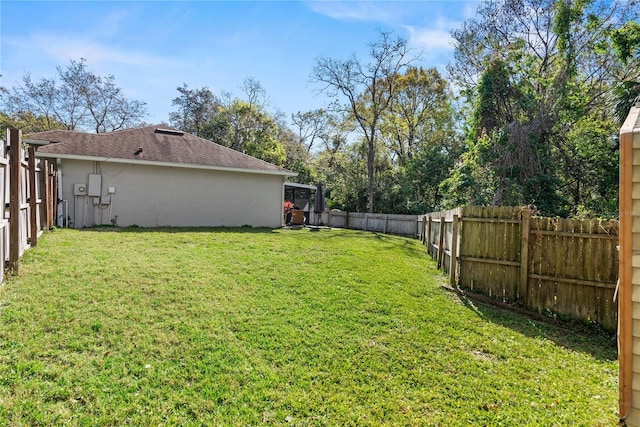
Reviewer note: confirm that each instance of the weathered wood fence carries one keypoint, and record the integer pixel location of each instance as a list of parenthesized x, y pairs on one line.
[(403, 225), (28, 194), (566, 267)]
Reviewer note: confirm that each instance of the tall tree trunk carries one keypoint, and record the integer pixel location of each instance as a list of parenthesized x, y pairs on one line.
[(371, 164)]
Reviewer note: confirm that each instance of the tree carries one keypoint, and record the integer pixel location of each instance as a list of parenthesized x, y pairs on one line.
[(367, 89), (625, 42), (26, 122), (346, 180), (420, 114), (77, 100), (195, 108), (298, 159), (311, 126), (243, 125), (533, 69), (247, 129), (255, 93)]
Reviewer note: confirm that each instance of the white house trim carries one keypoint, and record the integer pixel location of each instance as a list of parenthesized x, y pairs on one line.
[(164, 164)]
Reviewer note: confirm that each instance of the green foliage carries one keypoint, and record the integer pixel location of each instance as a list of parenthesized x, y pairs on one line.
[(540, 130), (417, 145), (622, 98), (246, 128), (195, 108), (27, 122), (368, 90), (495, 99), (306, 173), (593, 167), (471, 180), (346, 179), (420, 115), (422, 178), (507, 161), (626, 41)]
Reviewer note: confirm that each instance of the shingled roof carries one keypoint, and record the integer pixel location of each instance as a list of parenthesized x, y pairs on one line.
[(157, 144)]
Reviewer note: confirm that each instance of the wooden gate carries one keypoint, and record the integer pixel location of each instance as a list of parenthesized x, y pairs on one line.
[(27, 192)]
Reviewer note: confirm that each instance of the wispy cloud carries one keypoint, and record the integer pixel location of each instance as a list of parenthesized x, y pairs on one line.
[(430, 32), (111, 24), (430, 39), (357, 10), (435, 37), (62, 48), (141, 75), (469, 9)]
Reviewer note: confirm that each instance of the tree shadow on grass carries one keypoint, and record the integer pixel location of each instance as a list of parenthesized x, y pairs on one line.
[(397, 241), (577, 336), (407, 244)]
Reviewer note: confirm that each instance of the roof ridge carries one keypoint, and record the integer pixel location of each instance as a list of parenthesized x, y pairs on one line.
[(165, 147)]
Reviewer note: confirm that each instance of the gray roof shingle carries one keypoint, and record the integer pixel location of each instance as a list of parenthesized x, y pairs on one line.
[(157, 143)]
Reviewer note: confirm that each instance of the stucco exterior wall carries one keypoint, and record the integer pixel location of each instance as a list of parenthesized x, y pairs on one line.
[(153, 196)]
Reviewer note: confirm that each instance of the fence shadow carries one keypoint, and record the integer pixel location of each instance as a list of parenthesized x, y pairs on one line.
[(568, 266), (574, 335)]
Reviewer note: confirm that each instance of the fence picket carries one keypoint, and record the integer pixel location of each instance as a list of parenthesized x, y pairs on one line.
[(15, 149), (545, 264), (21, 185)]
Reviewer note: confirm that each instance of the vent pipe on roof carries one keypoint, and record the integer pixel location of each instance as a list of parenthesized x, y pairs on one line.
[(169, 131)]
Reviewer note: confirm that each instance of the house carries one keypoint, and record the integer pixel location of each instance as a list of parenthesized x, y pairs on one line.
[(158, 176)]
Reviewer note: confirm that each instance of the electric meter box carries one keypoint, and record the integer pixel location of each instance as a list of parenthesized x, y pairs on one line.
[(95, 185), (79, 189)]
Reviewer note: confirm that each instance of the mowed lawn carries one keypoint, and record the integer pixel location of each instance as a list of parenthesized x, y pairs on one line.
[(277, 327)]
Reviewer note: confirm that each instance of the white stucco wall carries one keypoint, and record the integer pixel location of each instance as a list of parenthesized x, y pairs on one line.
[(153, 196)]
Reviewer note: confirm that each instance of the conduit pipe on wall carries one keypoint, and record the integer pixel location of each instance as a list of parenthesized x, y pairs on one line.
[(60, 220), (113, 197)]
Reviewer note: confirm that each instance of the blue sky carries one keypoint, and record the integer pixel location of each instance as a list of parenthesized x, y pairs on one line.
[(152, 47)]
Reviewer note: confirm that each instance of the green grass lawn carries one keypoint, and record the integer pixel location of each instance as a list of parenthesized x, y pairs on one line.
[(277, 327)]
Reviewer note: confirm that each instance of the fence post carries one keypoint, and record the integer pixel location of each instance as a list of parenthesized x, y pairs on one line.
[(525, 229), (33, 198), (53, 185), (15, 145), (44, 203), (441, 243), (454, 251), (429, 236), (50, 199)]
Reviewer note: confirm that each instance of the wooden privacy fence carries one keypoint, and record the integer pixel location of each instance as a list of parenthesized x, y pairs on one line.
[(567, 267), (403, 225), (28, 194)]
